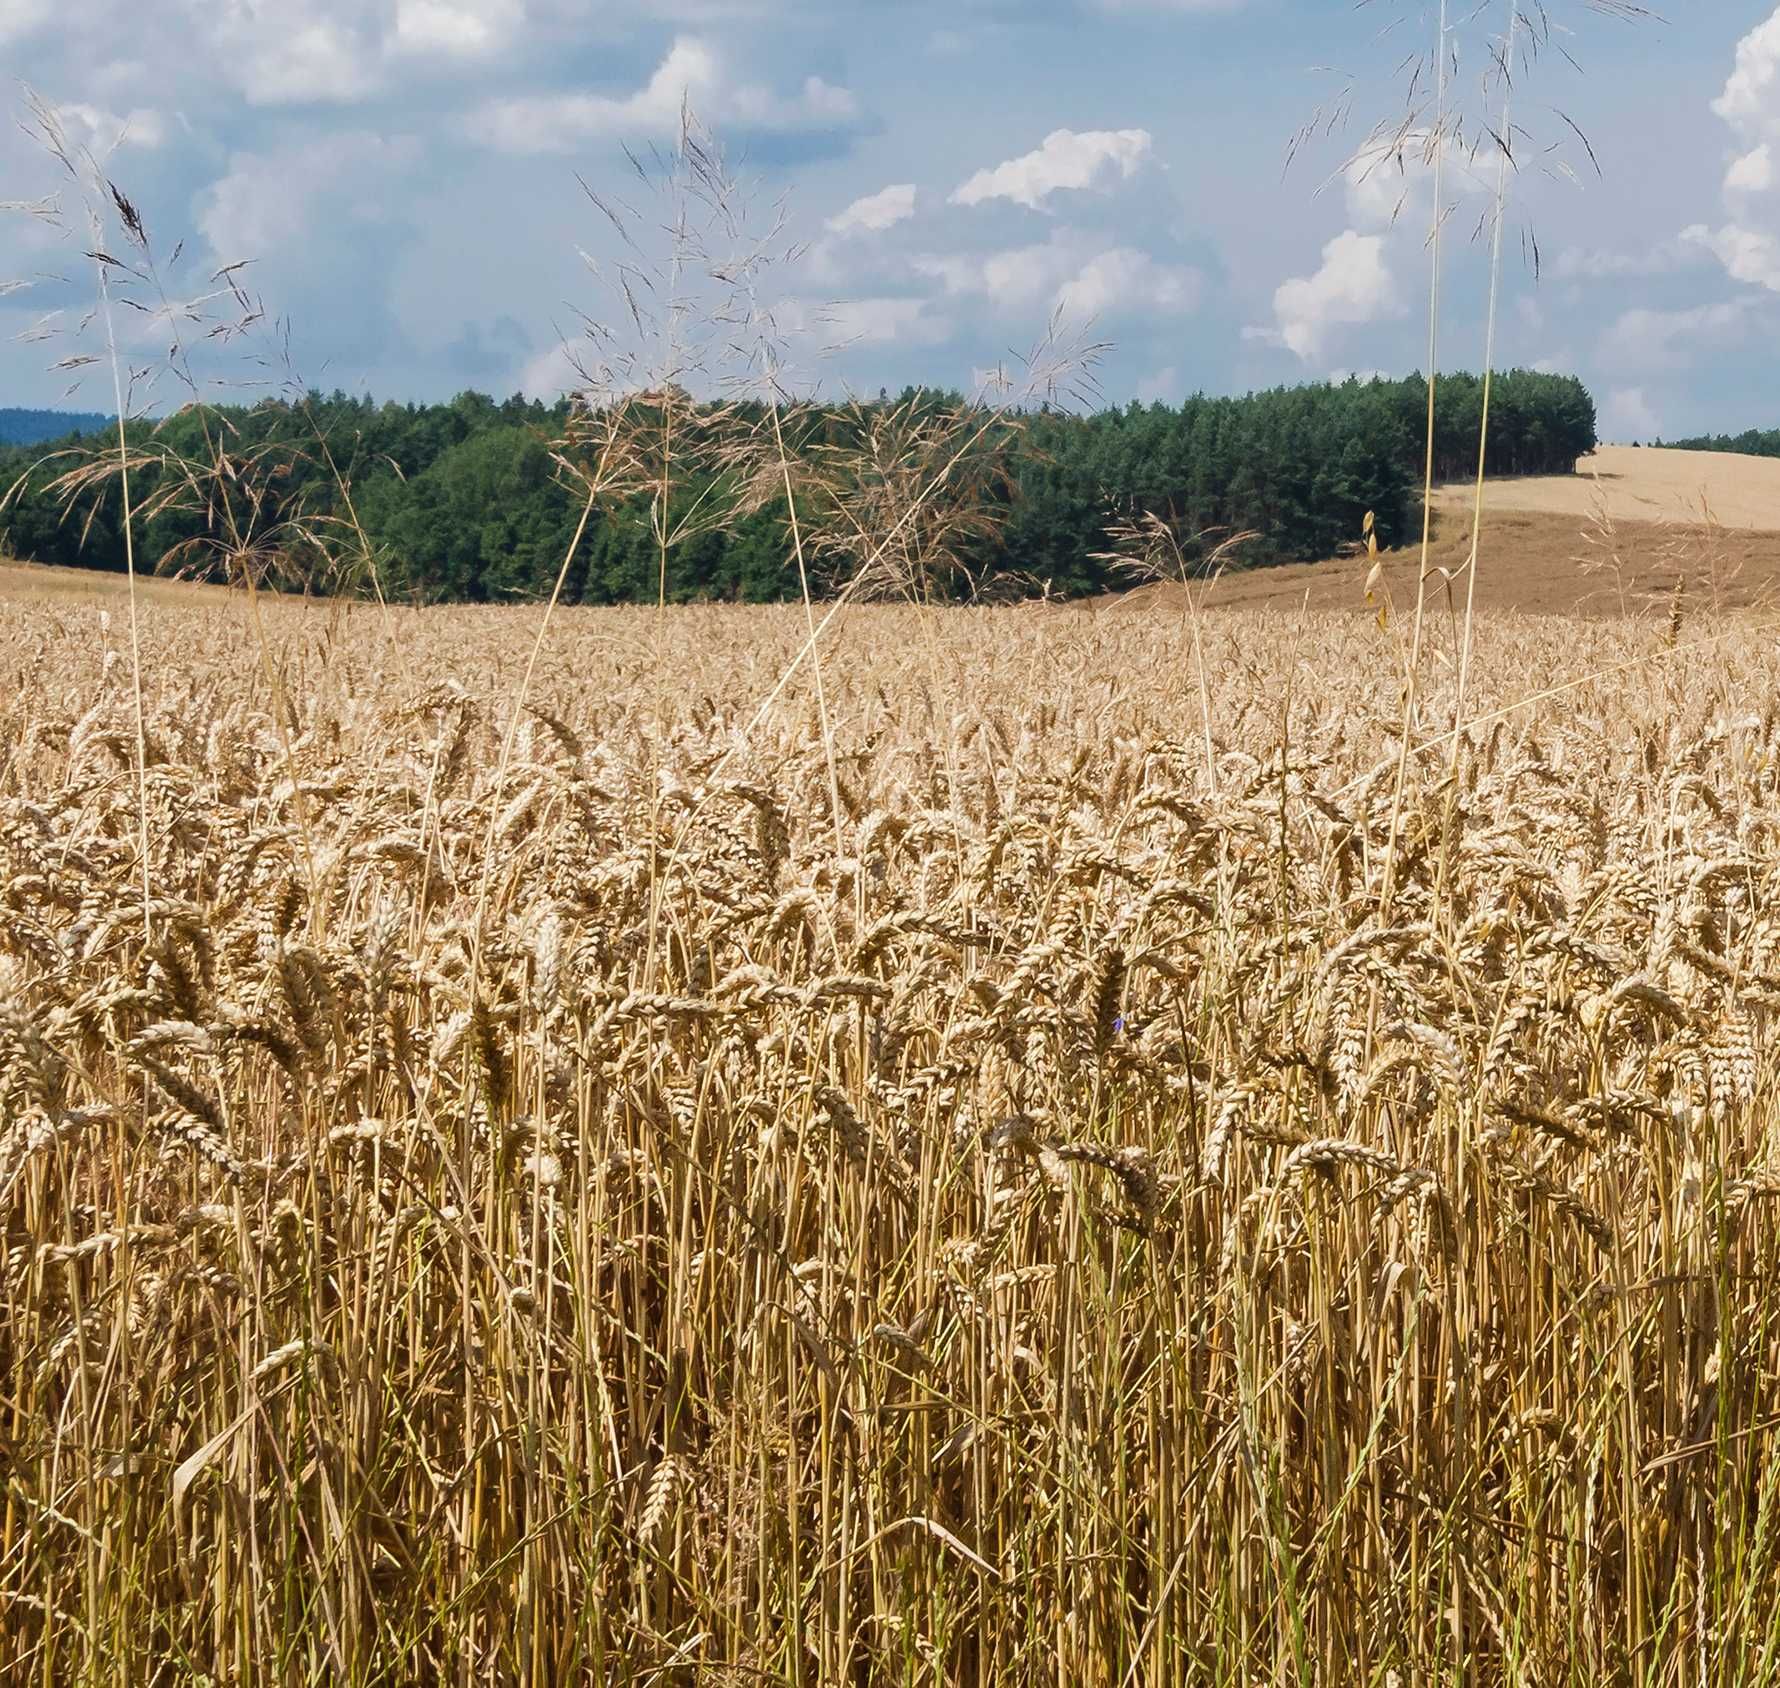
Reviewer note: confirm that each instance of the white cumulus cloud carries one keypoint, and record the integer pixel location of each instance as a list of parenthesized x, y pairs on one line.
[(1749, 102), (692, 73), (103, 132), (458, 29), (1353, 285), (1388, 186), (298, 52), (1628, 415), (876, 211), (1752, 173), (1070, 274), (1748, 254), (549, 122), (1390, 180), (878, 321), (1065, 159), (1641, 338), (1125, 279), (19, 18), (1746, 244), (1581, 263), (1020, 276), (268, 204), (551, 373)]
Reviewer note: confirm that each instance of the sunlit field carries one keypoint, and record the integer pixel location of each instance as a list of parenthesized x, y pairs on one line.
[(1081, 1152)]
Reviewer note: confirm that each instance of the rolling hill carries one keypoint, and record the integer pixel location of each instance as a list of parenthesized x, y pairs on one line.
[(33, 427), (1611, 539)]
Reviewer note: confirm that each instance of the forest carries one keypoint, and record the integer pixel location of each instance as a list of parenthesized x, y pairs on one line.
[(479, 500), (1752, 442), (20, 426)]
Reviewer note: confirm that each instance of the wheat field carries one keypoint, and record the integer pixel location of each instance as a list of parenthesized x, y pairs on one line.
[(1066, 1158), (1653, 483)]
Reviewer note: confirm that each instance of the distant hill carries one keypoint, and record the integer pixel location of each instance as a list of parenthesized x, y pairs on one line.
[(1545, 549), (33, 427), (1653, 484)]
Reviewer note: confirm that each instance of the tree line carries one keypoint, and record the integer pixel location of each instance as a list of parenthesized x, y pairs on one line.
[(477, 500), (23, 426), (1752, 442)]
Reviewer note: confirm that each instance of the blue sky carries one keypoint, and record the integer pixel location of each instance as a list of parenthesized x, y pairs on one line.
[(403, 176)]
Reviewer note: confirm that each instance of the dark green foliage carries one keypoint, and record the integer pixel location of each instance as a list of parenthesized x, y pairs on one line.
[(483, 521), (1752, 442), (1300, 466), (1539, 424), (33, 427), (466, 501)]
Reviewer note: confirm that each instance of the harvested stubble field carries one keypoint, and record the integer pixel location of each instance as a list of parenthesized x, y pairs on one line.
[(1044, 1193), (1537, 563), (1653, 484), (1617, 538)]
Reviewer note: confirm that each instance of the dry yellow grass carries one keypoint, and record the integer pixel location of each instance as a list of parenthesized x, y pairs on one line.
[(1091, 1211), (30, 583), (1646, 484), (1614, 539), (1532, 562), (1061, 1147)]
